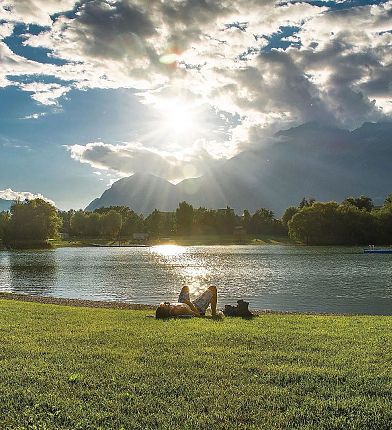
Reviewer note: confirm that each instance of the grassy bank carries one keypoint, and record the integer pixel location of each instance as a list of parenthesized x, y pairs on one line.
[(83, 368), (223, 240), (183, 240)]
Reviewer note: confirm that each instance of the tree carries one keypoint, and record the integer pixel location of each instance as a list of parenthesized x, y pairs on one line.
[(383, 218), (358, 226), (66, 220), (262, 222), (153, 223), (111, 224), (288, 214), (305, 202), (362, 202), (131, 221), (33, 220), (158, 223), (205, 221), (93, 225), (333, 224), (184, 218), (4, 220), (225, 220), (167, 223), (78, 223), (316, 224), (388, 200), (246, 220)]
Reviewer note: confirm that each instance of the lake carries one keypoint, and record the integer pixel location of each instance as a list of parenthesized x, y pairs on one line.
[(282, 278)]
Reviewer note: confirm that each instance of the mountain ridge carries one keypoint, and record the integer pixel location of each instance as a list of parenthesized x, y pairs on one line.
[(312, 160)]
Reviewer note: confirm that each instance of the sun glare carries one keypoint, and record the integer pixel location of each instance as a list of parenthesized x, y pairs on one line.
[(168, 250), (178, 117)]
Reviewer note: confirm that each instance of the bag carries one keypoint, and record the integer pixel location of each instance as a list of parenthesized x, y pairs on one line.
[(241, 310)]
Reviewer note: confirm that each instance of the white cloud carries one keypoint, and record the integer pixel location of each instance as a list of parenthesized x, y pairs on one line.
[(15, 65), (33, 11), (34, 116), (121, 43), (46, 94), (9, 194), (6, 29)]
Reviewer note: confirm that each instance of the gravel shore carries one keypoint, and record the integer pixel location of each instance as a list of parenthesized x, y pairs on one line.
[(75, 302)]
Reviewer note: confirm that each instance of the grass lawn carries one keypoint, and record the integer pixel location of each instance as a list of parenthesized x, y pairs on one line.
[(84, 368), (227, 239), (192, 240)]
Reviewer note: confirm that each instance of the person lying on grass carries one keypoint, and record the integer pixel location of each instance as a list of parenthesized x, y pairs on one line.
[(184, 306)]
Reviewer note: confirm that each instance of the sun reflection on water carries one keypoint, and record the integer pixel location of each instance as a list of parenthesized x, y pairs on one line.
[(190, 269), (168, 250)]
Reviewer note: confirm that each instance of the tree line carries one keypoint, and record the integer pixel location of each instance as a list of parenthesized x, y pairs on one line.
[(354, 221), (37, 221), (122, 222)]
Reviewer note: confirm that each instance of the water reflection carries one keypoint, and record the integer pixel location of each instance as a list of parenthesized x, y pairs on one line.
[(32, 272), (306, 279), (188, 268), (5, 279)]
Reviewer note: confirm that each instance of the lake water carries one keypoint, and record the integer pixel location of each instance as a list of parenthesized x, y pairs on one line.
[(285, 278)]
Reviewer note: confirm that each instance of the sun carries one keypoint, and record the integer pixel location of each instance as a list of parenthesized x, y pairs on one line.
[(178, 117)]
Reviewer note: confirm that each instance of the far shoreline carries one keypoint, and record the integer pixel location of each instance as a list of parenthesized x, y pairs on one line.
[(214, 240)]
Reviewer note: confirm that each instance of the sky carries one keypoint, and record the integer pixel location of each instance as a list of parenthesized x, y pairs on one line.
[(95, 90)]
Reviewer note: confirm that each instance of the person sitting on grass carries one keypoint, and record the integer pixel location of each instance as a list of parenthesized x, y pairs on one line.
[(184, 306)]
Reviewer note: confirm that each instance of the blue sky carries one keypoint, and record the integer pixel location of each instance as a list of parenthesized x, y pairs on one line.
[(96, 90)]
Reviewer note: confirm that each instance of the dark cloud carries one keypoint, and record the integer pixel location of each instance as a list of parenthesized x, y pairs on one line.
[(275, 83), (126, 158), (381, 82), (112, 30)]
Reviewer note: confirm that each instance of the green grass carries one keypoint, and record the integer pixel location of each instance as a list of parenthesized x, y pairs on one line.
[(192, 240), (227, 239), (77, 242), (84, 368)]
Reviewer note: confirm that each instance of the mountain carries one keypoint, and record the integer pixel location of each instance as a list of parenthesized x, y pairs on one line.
[(142, 192), (311, 160), (5, 204)]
